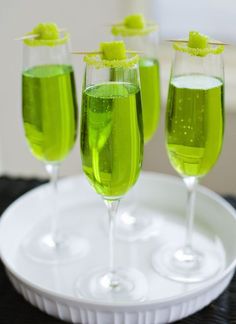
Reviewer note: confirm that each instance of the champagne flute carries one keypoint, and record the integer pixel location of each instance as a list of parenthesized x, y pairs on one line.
[(194, 136), (49, 109), (112, 152), (136, 221)]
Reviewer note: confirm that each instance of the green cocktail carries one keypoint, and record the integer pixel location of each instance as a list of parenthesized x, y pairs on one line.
[(111, 137), (142, 35), (150, 90), (49, 111), (194, 138), (195, 123), (111, 140)]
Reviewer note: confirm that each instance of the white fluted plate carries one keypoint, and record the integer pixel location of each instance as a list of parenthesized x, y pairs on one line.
[(51, 288)]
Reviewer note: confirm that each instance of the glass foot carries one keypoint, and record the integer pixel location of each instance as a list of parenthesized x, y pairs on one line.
[(185, 264), (137, 223), (40, 246), (125, 285)]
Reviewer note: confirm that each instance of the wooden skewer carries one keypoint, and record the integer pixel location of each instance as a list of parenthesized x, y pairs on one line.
[(186, 41), (98, 52), (85, 53), (26, 37), (121, 23), (34, 35)]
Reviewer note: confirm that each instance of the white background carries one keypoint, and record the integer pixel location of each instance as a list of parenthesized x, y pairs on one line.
[(89, 23), (213, 17)]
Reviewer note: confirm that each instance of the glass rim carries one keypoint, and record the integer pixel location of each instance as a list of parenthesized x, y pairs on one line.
[(96, 61), (120, 29), (200, 52), (34, 42)]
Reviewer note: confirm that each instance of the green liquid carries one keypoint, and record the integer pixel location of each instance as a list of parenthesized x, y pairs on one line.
[(111, 137), (194, 123), (150, 91), (49, 111)]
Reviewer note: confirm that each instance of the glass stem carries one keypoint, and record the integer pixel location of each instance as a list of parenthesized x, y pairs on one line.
[(112, 206), (191, 183), (53, 171)]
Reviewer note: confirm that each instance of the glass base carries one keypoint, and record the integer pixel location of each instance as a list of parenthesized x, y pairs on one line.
[(125, 285), (137, 223), (41, 247), (185, 264)]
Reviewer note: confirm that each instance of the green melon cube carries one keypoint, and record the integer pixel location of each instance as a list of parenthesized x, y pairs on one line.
[(135, 21), (197, 40), (46, 31), (113, 50)]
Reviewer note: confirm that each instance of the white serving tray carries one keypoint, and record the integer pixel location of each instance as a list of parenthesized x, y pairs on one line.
[(51, 287)]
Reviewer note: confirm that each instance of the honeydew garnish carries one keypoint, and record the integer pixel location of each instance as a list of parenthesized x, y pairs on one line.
[(135, 21), (133, 25), (45, 34), (113, 50), (113, 55), (198, 45)]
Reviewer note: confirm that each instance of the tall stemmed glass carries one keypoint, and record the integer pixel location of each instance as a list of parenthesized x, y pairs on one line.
[(49, 111), (112, 152), (194, 135), (136, 221)]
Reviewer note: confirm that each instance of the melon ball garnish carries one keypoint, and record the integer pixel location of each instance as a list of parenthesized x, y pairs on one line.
[(113, 50), (197, 40), (46, 31), (135, 21), (45, 34)]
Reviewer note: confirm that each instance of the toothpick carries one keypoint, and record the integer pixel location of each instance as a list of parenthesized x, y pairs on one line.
[(97, 52), (31, 36), (186, 41), (26, 37), (121, 23), (85, 53)]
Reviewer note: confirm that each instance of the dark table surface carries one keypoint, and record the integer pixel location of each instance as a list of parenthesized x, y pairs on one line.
[(15, 310)]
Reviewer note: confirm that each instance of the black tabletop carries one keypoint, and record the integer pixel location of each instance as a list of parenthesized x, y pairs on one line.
[(15, 310)]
